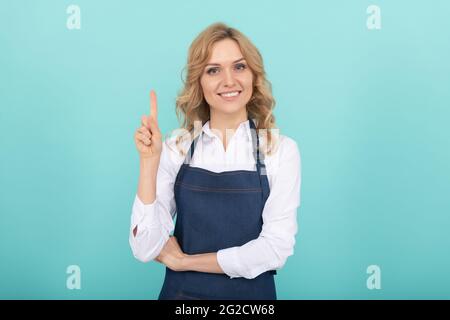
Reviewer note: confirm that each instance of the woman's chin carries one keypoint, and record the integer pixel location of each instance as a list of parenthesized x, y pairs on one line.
[(231, 111), (229, 108)]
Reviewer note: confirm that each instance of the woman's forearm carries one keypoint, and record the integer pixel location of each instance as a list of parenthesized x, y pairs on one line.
[(147, 180), (204, 262)]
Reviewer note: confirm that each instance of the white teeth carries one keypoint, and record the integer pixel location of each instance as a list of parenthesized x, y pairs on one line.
[(230, 94)]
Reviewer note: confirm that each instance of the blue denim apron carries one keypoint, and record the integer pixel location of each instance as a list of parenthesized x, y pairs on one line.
[(217, 211)]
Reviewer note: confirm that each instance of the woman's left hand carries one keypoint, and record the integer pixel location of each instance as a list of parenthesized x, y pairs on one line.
[(172, 255)]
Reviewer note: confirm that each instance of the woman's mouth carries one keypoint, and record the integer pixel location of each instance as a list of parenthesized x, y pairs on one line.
[(230, 95)]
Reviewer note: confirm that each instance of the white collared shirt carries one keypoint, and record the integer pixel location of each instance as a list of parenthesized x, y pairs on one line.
[(277, 239)]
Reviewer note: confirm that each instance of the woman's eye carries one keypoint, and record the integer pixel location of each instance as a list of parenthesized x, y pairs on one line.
[(241, 66), (212, 71)]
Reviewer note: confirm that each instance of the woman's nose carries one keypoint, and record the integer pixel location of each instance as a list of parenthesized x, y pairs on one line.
[(228, 78)]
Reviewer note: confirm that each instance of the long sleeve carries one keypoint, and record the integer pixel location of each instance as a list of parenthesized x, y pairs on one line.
[(155, 221), (277, 239)]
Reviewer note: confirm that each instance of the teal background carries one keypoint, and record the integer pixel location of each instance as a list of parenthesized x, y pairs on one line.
[(369, 110)]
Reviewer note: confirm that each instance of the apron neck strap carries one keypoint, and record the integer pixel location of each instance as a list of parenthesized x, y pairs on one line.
[(259, 157)]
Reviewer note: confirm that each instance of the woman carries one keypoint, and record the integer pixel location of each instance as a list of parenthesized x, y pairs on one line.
[(236, 197)]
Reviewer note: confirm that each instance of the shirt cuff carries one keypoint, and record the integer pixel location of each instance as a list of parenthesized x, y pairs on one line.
[(228, 260), (143, 213)]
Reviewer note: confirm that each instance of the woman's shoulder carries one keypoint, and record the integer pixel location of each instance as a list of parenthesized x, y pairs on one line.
[(176, 144), (283, 145), (288, 142), (285, 160)]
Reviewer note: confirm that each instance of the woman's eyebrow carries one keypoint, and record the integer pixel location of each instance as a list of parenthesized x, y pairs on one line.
[(218, 64)]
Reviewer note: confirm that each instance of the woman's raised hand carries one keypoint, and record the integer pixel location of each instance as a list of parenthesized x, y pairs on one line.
[(148, 137)]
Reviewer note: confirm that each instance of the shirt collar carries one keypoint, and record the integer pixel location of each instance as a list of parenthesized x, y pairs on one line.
[(243, 130)]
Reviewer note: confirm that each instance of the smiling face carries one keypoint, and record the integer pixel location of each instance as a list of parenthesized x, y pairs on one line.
[(227, 81)]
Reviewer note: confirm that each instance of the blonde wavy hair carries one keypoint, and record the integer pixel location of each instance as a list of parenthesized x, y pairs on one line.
[(191, 105)]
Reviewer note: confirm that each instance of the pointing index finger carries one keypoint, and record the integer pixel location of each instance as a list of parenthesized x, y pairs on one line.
[(153, 105)]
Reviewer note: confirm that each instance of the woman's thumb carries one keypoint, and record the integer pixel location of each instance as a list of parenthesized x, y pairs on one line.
[(145, 122)]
